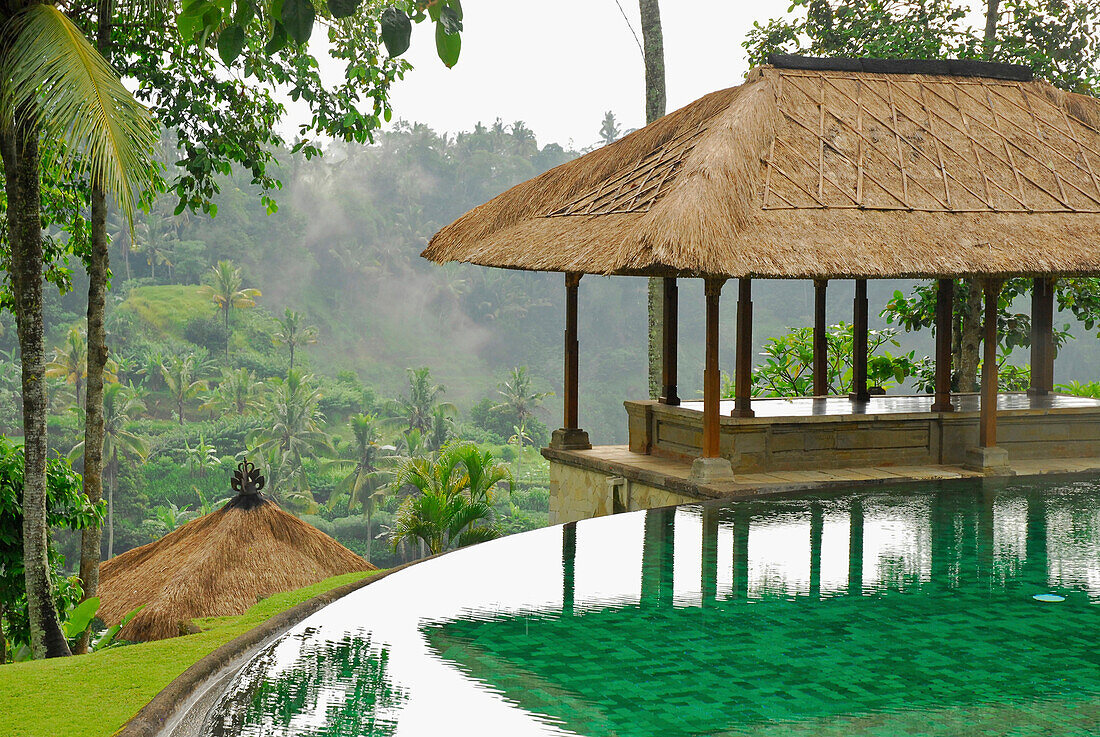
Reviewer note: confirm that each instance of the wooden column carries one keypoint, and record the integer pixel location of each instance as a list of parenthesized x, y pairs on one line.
[(821, 341), (987, 423), (570, 436), (668, 344), (572, 351), (945, 294), (859, 343), (742, 382), (1042, 337), (712, 381)]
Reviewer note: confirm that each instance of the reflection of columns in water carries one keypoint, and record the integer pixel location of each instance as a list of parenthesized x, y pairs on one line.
[(944, 555), (741, 553), (817, 524), (984, 537), (1036, 565), (658, 549), (709, 569), (855, 548), (568, 567)]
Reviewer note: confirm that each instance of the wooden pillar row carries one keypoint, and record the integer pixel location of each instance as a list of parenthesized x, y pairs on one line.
[(945, 295), (859, 343), (669, 326), (1042, 337), (821, 340), (742, 403)]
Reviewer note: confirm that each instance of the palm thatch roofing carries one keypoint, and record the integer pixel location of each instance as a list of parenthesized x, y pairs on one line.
[(812, 169), (218, 565)]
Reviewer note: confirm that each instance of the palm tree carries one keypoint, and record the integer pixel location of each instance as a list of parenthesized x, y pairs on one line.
[(453, 508), (226, 292), (293, 334), (365, 484), (238, 392), (120, 405), (416, 410), (292, 432), (517, 394), (179, 376), (57, 89), (70, 363)]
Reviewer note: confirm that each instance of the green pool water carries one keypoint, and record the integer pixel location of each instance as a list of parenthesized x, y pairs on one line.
[(904, 611)]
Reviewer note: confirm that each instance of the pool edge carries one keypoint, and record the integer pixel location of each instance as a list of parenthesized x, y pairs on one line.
[(175, 702)]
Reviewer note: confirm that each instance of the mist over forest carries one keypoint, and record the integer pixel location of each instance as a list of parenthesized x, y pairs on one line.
[(343, 248)]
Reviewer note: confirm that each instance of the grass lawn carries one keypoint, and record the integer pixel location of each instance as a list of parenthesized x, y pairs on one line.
[(168, 307), (94, 695)]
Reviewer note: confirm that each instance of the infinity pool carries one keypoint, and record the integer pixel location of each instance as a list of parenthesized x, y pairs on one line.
[(904, 611)]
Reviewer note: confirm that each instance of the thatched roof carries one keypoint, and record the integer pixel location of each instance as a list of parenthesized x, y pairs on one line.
[(218, 565), (809, 172)]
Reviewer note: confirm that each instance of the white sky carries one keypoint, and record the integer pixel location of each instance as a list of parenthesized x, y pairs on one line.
[(558, 66)]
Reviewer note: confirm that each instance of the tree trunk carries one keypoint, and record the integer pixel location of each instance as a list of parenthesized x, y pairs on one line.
[(653, 45), (91, 538), (291, 356), (226, 311), (368, 534), (19, 149), (970, 338), (111, 505), (992, 16), (3, 640)]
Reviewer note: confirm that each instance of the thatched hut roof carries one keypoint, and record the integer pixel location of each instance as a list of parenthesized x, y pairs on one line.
[(947, 169), (218, 565)]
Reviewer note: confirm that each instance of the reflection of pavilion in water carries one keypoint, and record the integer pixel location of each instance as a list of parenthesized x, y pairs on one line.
[(854, 545)]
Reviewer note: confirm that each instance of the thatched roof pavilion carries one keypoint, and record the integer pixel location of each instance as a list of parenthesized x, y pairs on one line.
[(218, 565), (821, 169)]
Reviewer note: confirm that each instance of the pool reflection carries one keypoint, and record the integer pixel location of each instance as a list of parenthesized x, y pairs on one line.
[(896, 611)]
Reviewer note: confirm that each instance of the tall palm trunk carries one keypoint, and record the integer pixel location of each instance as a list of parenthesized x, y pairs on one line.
[(369, 535), (91, 538), (111, 504), (654, 51), (19, 149)]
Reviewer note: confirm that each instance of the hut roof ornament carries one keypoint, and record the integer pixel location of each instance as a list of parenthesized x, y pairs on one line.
[(247, 480)]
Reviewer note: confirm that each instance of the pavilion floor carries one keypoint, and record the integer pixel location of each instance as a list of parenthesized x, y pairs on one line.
[(900, 404)]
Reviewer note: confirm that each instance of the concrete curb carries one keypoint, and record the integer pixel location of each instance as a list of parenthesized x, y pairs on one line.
[(167, 707)]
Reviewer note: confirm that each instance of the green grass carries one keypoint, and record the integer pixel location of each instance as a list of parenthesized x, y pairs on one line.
[(94, 695), (168, 307)]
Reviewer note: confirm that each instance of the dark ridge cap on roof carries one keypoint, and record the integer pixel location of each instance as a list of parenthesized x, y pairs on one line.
[(944, 67)]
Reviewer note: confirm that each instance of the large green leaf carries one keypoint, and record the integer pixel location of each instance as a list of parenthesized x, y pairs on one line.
[(80, 617), (447, 45), (52, 72), (342, 8), (230, 43), (298, 18), (278, 40), (108, 637), (396, 31)]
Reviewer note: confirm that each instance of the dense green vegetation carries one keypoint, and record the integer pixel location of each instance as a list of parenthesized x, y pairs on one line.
[(119, 681)]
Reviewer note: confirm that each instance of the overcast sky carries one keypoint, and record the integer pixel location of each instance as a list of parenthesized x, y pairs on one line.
[(558, 66)]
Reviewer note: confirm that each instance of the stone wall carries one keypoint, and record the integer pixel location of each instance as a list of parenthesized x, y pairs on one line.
[(765, 444), (580, 493)]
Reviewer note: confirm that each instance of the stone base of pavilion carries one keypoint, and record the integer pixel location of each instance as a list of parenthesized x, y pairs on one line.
[(818, 443)]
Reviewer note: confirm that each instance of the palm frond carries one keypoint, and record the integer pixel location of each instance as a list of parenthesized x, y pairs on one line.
[(55, 77)]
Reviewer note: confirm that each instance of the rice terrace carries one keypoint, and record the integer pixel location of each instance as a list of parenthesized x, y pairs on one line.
[(746, 383)]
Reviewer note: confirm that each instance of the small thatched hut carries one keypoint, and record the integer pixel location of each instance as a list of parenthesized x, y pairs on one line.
[(218, 565)]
